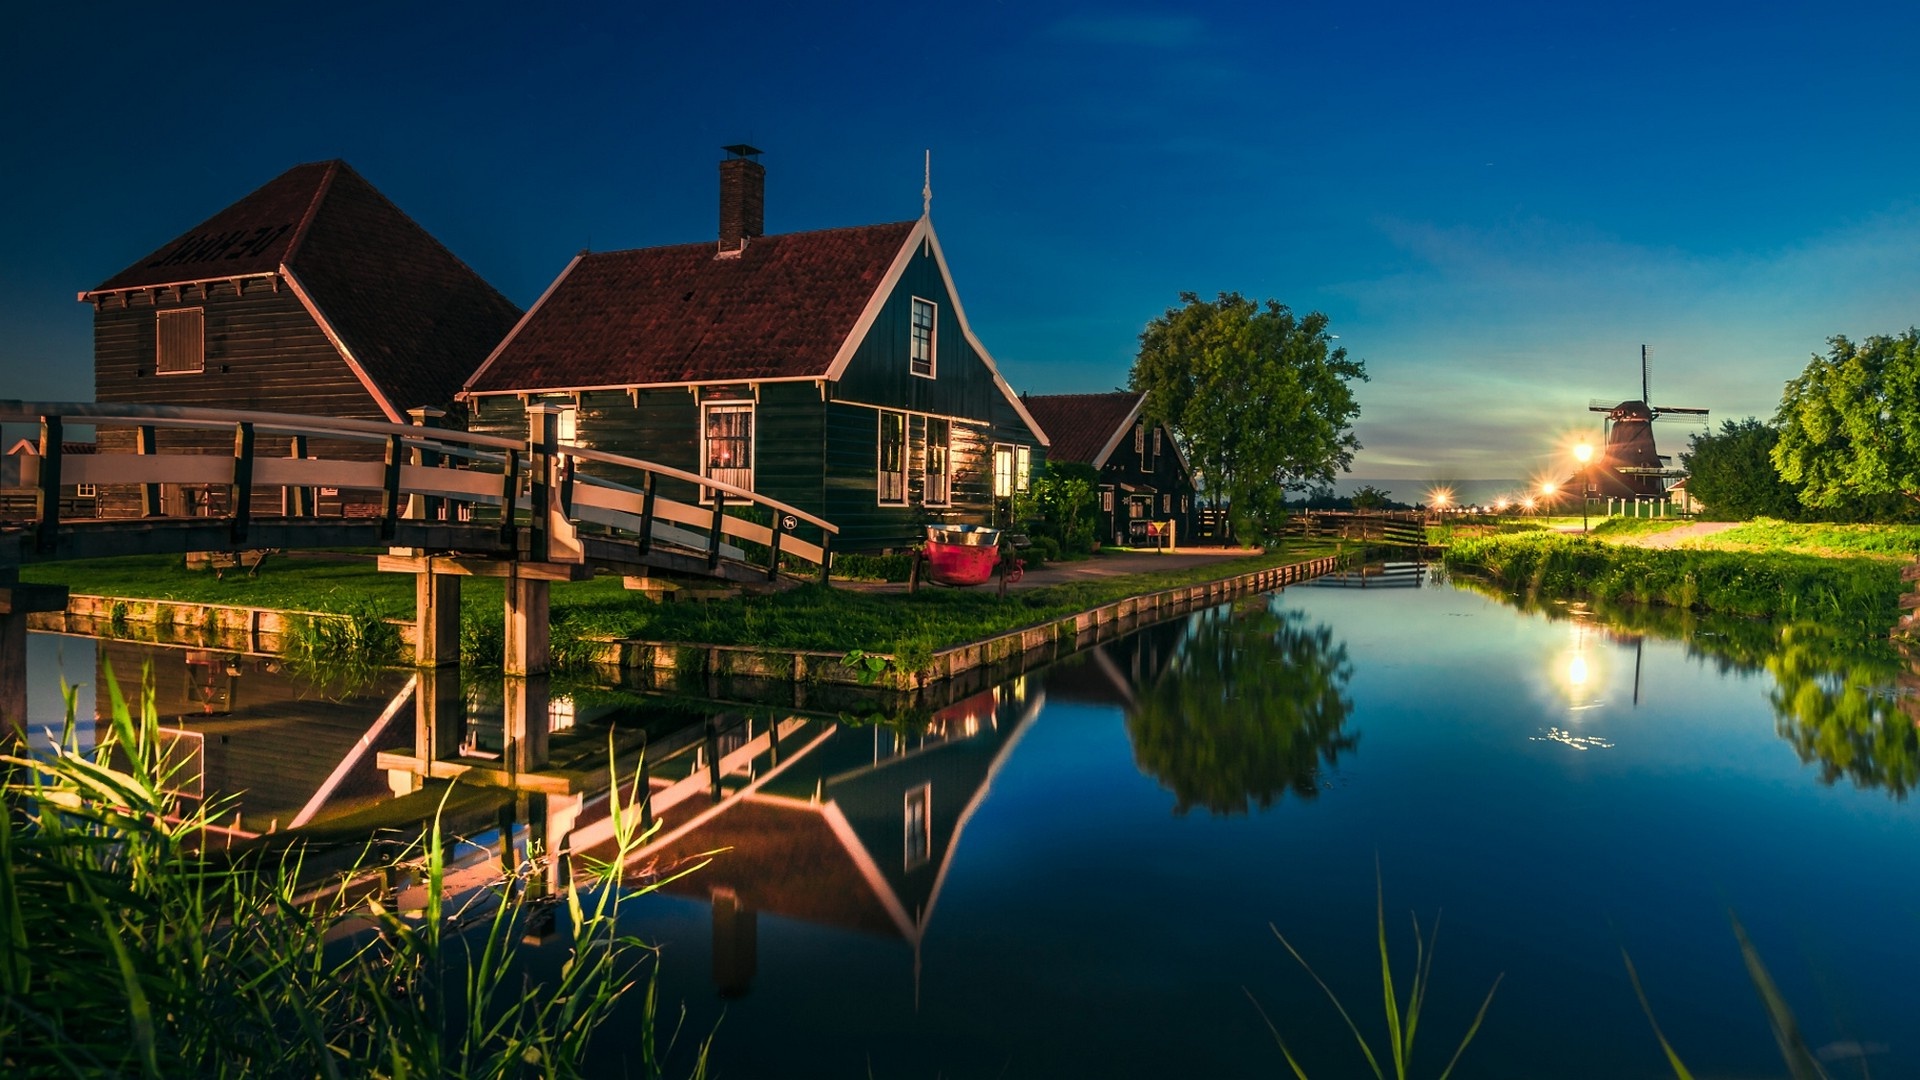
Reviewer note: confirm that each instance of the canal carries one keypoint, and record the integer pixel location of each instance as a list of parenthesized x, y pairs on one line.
[(1081, 871)]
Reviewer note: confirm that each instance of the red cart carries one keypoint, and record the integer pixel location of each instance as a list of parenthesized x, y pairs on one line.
[(961, 555)]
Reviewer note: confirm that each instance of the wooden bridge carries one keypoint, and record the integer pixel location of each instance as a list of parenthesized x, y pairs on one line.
[(445, 503)]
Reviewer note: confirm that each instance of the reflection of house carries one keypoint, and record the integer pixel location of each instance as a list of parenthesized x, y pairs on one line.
[(857, 834), (1112, 672), (76, 500), (1143, 476), (314, 294), (832, 370), (239, 726)]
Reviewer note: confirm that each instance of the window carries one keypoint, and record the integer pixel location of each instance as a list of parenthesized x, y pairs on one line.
[(921, 355), (568, 426), (892, 480), (1156, 443), (728, 452), (1022, 467), (938, 490), (1106, 499), (918, 825), (1002, 471), (1183, 504), (85, 491), (1140, 442), (1166, 504), (180, 342)]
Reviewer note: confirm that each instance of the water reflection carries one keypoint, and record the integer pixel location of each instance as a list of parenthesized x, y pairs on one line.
[(1838, 702), (1250, 704)]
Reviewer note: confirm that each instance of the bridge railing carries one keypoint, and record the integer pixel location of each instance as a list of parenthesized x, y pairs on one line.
[(414, 473)]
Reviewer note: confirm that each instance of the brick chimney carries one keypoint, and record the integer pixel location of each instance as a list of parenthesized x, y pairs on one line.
[(743, 197)]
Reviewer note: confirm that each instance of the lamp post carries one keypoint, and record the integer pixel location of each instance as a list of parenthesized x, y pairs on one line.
[(1584, 452)]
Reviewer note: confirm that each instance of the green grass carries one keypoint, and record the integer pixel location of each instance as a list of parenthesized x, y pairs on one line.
[(833, 619), (129, 945), (1626, 526), (1857, 596), (1814, 538)]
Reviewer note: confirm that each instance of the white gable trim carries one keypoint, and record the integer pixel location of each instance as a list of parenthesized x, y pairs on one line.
[(340, 346), (1119, 433), (517, 327), (923, 233)]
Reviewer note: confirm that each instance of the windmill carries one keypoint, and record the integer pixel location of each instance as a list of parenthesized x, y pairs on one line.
[(1630, 466)]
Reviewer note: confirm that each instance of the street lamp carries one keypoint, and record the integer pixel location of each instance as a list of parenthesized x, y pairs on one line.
[(1584, 452)]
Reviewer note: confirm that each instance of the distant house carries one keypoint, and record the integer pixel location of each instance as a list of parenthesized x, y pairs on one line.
[(314, 294), (1143, 476), (76, 500), (832, 370)]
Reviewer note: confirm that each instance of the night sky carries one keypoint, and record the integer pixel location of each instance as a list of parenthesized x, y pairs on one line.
[(1495, 206)]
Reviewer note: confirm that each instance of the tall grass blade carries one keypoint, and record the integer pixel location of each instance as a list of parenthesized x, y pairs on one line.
[(1365, 1050), (1386, 977), (1673, 1059), (1786, 1030), (1278, 1040), (1473, 1028)]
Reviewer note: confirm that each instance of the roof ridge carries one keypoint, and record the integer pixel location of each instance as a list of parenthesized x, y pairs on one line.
[(752, 239), (313, 209)]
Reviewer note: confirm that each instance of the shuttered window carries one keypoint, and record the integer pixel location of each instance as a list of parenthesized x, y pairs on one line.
[(181, 338), (892, 480)]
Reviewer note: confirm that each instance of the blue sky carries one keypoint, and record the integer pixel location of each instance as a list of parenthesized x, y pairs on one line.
[(1496, 206)]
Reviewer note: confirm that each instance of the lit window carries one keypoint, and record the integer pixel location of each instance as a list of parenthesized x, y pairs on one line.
[(938, 483), (85, 491), (568, 426), (1002, 471), (1022, 467), (180, 342), (921, 355), (729, 446), (892, 481)]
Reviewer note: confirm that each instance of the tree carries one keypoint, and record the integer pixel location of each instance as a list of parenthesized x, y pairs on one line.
[(1850, 424), (1256, 397), (1732, 473), (1372, 498)]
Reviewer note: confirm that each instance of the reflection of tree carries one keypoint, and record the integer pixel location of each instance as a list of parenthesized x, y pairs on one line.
[(1833, 699), (1248, 710), (1842, 715)]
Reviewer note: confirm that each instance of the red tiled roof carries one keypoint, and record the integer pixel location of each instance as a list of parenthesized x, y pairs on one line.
[(780, 309), (416, 319), (1081, 424)]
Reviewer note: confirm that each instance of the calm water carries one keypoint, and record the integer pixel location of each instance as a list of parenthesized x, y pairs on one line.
[(1076, 874)]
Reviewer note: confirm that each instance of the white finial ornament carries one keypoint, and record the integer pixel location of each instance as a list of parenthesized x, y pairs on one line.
[(926, 192)]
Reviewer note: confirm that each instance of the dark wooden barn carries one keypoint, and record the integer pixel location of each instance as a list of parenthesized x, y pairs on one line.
[(314, 294), (1143, 476), (833, 370)]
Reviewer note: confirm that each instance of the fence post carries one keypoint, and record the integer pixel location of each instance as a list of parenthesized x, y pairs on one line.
[(425, 507), (144, 443), (390, 488), (299, 499), (47, 498), (713, 534), (543, 448), (241, 498), (646, 513), (773, 560)]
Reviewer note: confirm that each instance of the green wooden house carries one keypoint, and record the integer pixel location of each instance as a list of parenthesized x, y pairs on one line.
[(832, 370)]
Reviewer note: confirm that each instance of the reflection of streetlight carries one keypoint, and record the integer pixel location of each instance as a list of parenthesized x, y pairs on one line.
[(1584, 452)]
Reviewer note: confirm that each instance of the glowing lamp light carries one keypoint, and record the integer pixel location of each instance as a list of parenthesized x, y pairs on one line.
[(1584, 452), (1547, 489)]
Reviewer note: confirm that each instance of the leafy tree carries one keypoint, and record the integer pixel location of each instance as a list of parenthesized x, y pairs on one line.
[(1850, 424), (1372, 498), (1732, 473), (1062, 501), (1257, 397), (1842, 715), (1253, 706)]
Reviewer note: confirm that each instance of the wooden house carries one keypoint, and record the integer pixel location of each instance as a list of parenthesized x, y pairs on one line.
[(833, 370), (1144, 478), (314, 294), (76, 500)]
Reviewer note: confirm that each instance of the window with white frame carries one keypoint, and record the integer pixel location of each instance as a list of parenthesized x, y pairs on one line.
[(917, 825), (85, 491), (1156, 444), (1140, 442), (1022, 467), (727, 446), (567, 424), (921, 353), (938, 490), (1002, 470), (1106, 500), (892, 475), (1166, 504), (180, 341)]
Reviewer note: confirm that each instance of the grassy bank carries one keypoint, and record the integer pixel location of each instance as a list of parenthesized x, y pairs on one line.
[(834, 619), (1856, 594)]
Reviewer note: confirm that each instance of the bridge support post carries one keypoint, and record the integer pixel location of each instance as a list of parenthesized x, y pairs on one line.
[(439, 715), (525, 722), (437, 619), (527, 643), (13, 679)]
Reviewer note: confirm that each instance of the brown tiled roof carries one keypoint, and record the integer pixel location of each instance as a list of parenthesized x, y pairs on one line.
[(1081, 424), (415, 318), (780, 309)]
